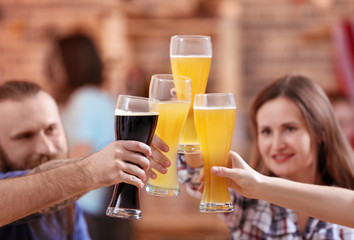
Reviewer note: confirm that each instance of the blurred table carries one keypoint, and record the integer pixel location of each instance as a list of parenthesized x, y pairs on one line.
[(175, 218)]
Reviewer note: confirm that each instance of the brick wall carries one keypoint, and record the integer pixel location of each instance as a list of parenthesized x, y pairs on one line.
[(281, 37), (254, 41), (27, 29)]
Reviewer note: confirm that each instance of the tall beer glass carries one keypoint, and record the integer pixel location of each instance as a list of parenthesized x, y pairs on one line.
[(214, 116), (190, 56), (135, 119), (174, 94)]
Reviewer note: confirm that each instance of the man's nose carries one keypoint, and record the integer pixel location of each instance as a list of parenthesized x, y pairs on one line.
[(45, 145)]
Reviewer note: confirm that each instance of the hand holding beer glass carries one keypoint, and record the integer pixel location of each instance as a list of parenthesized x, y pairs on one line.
[(214, 116), (135, 119), (174, 94), (190, 56)]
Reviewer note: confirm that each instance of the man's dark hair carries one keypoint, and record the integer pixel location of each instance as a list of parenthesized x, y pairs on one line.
[(17, 90)]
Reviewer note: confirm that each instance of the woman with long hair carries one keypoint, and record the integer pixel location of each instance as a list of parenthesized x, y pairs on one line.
[(297, 138)]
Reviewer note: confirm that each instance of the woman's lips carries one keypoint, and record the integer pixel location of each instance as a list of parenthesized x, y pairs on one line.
[(281, 158)]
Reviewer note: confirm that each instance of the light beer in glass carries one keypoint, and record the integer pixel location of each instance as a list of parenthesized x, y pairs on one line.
[(174, 95), (190, 56), (214, 116)]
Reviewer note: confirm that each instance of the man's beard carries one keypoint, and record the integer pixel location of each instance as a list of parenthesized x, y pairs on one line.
[(6, 165)]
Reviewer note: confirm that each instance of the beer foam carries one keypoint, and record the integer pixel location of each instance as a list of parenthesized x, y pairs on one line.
[(119, 112), (174, 102), (190, 56), (213, 108)]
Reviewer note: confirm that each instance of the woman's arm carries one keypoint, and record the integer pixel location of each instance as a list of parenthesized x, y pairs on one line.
[(327, 203), (331, 204)]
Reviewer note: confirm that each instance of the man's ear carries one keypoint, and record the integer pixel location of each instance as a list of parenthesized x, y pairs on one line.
[(2, 162)]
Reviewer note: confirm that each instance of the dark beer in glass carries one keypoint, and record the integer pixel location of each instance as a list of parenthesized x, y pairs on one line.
[(135, 119)]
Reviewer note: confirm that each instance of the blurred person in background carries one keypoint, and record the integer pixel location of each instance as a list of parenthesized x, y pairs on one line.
[(76, 73), (344, 111)]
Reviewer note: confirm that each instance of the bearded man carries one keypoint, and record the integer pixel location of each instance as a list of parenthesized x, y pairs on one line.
[(32, 140), (31, 134)]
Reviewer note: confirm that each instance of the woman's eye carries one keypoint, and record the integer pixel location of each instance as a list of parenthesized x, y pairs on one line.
[(290, 128), (265, 131)]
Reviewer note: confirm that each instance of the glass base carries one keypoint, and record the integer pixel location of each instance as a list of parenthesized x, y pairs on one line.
[(188, 148), (134, 214), (160, 191), (215, 207)]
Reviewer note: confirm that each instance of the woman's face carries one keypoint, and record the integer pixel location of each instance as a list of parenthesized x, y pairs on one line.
[(284, 141)]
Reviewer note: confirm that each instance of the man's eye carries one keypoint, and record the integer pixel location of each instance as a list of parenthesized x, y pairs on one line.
[(50, 129), (25, 136)]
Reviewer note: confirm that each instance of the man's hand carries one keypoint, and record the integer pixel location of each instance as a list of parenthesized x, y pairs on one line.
[(120, 161), (158, 161)]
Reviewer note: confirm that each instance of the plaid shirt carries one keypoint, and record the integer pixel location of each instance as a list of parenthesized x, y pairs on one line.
[(258, 219)]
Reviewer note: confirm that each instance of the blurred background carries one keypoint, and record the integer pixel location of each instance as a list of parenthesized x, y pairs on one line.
[(254, 42)]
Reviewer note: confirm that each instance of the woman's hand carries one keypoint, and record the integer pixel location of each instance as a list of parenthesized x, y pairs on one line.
[(243, 178)]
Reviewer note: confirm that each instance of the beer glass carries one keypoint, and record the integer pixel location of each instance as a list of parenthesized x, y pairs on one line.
[(174, 94), (190, 56), (135, 119), (214, 116)]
